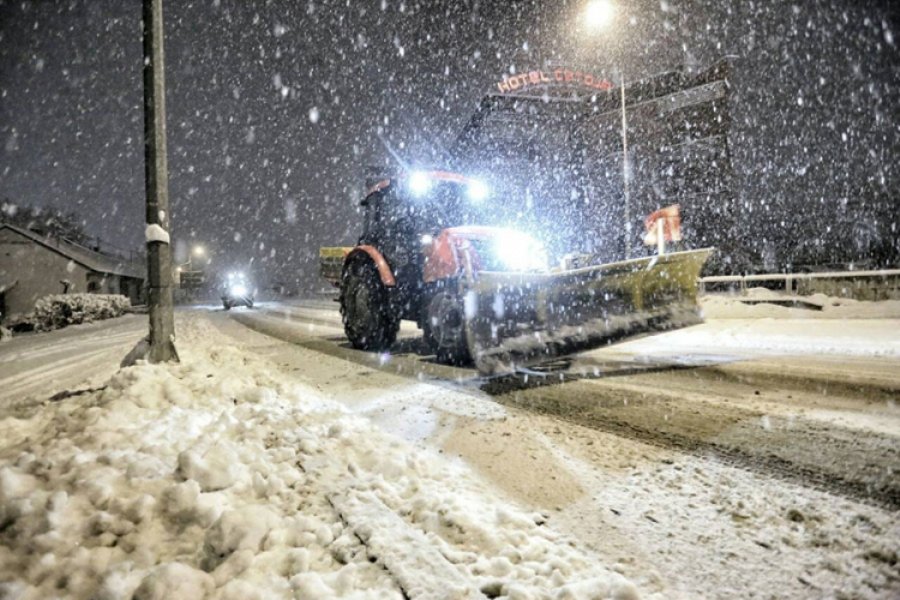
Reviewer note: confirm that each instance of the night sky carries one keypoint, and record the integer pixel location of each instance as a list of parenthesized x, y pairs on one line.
[(275, 107)]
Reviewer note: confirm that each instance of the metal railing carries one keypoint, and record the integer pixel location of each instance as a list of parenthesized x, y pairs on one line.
[(887, 280)]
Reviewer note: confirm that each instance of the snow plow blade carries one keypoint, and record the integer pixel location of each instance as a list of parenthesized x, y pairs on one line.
[(518, 319)]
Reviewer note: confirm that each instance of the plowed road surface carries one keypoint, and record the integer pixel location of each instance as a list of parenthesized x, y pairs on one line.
[(703, 459)]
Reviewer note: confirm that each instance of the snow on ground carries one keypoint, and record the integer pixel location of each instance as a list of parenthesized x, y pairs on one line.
[(761, 337), (35, 366), (725, 306), (842, 328), (742, 535), (218, 477)]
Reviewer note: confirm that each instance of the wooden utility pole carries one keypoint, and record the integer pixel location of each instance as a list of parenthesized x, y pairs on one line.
[(159, 251)]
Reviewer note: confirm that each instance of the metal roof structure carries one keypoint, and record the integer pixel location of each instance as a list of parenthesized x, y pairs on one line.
[(86, 257)]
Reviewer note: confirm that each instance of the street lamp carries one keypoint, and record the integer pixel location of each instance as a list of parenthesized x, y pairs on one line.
[(598, 14), (197, 251)]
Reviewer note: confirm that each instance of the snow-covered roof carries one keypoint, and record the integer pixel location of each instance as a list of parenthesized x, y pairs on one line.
[(90, 259)]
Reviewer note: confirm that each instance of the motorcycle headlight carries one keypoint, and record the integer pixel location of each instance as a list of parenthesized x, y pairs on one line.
[(477, 190), (419, 183), (519, 251), (238, 290)]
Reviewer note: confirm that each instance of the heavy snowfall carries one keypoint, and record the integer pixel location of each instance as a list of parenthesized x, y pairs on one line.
[(571, 300)]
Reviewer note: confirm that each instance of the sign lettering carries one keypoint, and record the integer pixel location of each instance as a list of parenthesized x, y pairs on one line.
[(557, 77)]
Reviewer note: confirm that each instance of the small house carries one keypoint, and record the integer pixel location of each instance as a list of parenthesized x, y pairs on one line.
[(34, 265)]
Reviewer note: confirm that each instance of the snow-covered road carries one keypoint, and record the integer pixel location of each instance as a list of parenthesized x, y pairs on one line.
[(33, 367), (694, 470)]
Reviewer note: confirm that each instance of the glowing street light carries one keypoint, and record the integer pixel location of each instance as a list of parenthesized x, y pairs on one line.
[(599, 13), (197, 251)]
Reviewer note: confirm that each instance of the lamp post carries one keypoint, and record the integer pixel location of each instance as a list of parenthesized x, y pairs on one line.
[(627, 208), (598, 14), (198, 252)]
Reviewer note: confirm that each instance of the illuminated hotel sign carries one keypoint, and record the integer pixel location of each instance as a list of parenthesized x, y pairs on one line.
[(556, 77)]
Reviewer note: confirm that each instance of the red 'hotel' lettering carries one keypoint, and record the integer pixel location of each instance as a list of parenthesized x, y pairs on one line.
[(560, 76)]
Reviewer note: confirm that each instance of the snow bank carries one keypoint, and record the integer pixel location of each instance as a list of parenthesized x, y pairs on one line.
[(219, 478), (60, 310), (5, 334), (771, 337), (719, 306)]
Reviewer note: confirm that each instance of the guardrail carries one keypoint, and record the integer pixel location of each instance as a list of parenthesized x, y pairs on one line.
[(863, 285)]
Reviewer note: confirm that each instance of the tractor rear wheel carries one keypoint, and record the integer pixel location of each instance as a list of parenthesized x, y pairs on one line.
[(445, 329), (365, 308)]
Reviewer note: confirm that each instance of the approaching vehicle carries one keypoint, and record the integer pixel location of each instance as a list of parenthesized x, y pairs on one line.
[(237, 292), (487, 294)]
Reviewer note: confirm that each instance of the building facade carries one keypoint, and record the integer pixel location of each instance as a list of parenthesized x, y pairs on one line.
[(33, 266)]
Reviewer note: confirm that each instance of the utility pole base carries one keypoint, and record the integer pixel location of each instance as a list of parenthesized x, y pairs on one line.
[(142, 351)]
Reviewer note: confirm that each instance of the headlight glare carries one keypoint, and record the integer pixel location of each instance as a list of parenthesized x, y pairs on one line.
[(519, 251), (477, 190), (419, 183)]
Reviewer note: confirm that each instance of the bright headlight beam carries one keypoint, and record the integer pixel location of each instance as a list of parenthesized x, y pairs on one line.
[(238, 290), (419, 183), (520, 252), (477, 190)]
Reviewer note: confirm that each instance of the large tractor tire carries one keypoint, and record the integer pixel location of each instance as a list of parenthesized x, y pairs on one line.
[(445, 329), (369, 322)]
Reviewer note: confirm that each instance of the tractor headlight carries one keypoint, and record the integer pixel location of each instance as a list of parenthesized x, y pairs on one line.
[(419, 183), (519, 251), (238, 290), (477, 190)]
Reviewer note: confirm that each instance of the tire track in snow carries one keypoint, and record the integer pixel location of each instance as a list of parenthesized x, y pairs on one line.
[(707, 429)]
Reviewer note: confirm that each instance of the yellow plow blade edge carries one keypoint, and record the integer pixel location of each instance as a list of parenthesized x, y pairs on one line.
[(518, 319)]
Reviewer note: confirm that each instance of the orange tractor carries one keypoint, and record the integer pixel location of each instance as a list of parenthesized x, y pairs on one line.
[(487, 295)]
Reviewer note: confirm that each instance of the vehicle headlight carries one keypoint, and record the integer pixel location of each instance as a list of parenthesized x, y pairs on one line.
[(238, 290), (477, 190), (419, 183), (519, 251)]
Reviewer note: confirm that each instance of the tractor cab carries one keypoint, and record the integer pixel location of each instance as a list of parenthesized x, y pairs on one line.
[(423, 203), (405, 214)]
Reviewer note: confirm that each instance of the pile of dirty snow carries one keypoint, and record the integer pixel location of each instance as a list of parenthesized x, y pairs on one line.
[(59, 310), (220, 478)]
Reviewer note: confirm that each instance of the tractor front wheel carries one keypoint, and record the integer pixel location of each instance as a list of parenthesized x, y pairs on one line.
[(445, 329), (365, 308)]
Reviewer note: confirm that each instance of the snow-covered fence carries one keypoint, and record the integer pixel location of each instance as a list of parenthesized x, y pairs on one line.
[(59, 310), (882, 284)]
